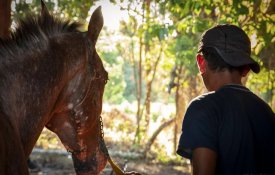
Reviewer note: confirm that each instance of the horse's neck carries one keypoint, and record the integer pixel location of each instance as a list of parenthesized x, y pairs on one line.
[(28, 106)]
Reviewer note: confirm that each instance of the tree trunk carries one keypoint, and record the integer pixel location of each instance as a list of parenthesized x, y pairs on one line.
[(155, 134), (139, 89), (149, 83), (180, 107), (139, 93), (5, 18), (147, 103)]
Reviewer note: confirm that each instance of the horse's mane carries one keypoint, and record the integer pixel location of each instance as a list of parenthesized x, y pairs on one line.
[(32, 34)]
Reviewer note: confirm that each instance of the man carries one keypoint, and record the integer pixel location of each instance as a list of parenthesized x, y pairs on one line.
[(228, 130)]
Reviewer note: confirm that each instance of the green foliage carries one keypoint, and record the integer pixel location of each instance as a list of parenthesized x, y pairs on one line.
[(130, 28), (263, 84), (110, 57), (191, 18), (185, 52), (114, 88), (76, 9), (113, 92), (22, 8), (130, 90)]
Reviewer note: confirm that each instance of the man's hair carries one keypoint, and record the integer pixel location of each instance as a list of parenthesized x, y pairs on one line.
[(215, 62)]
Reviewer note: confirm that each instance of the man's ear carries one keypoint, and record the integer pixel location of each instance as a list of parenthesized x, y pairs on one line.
[(245, 71), (201, 63)]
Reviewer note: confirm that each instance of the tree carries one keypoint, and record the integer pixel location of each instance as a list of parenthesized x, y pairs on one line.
[(5, 18), (132, 30), (75, 9), (151, 36)]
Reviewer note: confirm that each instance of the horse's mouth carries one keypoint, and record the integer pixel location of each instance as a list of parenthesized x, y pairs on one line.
[(92, 166), (94, 163)]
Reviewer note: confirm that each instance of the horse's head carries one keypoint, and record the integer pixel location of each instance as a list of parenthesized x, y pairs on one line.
[(76, 118)]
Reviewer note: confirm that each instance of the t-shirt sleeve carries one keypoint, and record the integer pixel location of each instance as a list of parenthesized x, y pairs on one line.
[(199, 129)]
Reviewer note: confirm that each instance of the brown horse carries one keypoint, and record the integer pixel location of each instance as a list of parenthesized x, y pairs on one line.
[(51, 75)]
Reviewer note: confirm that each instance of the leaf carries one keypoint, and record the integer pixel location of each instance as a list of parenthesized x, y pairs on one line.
[(243, 10), (186, 9), (259, 47)]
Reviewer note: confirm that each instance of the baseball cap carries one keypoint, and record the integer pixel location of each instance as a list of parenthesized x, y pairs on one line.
[(231, 43)]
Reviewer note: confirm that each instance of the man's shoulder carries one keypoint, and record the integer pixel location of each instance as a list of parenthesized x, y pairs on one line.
[(204, 98), (205, 102)]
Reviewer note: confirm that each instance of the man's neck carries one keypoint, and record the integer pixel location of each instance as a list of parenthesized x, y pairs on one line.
[(220, 79)]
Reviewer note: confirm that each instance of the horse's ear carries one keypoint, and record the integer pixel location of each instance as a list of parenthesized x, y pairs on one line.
[(95, 24), (44, 10)]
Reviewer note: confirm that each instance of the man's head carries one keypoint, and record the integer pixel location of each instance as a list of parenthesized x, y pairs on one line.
[(225, 48), (231, 44)]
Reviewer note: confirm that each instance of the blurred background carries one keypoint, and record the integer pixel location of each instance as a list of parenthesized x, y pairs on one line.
[(148, 48)]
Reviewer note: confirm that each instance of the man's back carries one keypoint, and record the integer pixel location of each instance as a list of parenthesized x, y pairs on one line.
[(237, 125), (246, 132)]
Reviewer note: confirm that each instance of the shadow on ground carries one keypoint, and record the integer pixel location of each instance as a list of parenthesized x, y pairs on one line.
[(59, 162)]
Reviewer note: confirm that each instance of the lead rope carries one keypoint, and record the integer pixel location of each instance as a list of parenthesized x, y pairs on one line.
[(115, 167)]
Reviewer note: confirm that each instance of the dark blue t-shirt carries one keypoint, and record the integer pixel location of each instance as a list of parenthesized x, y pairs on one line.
[(237, 125)]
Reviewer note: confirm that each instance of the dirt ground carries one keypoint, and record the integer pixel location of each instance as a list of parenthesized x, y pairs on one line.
[(59, 162)]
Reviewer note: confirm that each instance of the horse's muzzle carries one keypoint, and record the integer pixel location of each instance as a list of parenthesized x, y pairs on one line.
[(93, 165)]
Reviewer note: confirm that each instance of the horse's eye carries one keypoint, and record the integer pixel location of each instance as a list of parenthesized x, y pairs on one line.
[(106, 80), (97, 75)]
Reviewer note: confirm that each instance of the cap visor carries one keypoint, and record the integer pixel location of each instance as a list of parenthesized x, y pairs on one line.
[(237, 59)]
